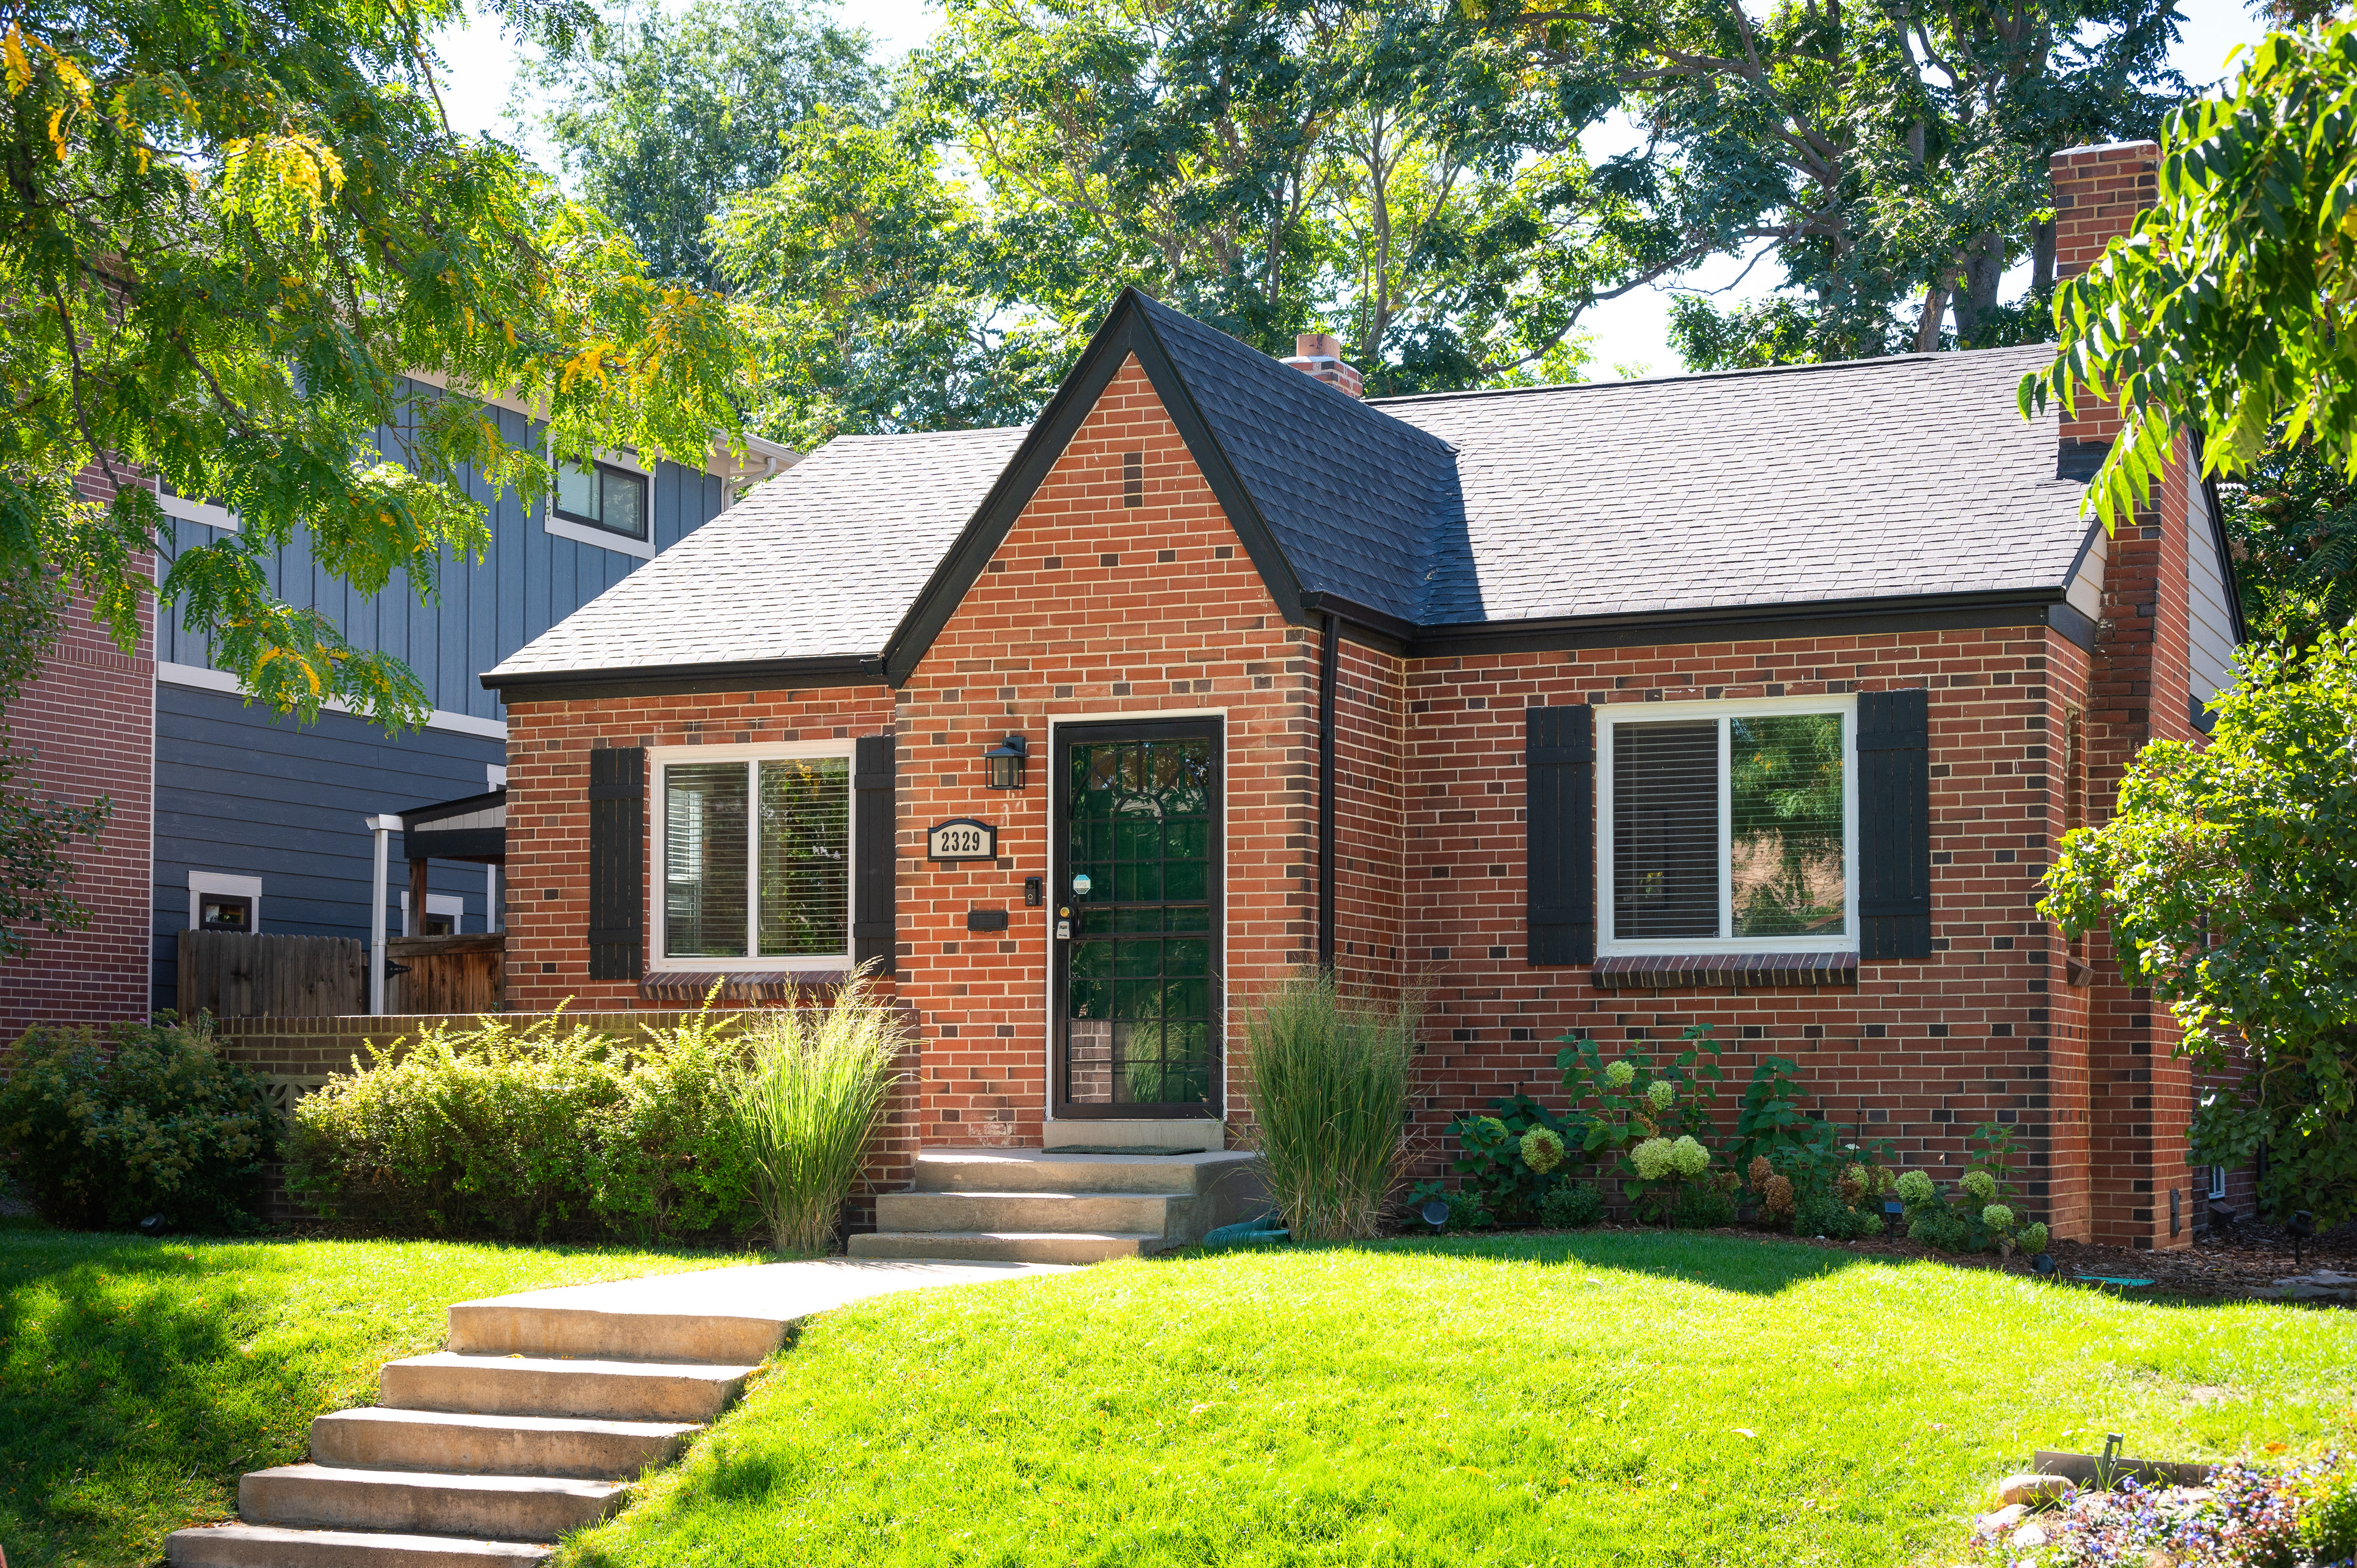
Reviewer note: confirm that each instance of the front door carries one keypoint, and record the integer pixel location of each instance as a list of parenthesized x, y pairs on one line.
[(1137, 901)]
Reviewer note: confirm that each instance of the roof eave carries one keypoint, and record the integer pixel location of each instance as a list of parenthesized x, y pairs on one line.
[(663, 680)]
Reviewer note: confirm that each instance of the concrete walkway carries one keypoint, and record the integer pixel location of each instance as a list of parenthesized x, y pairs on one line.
[(537, 1418)]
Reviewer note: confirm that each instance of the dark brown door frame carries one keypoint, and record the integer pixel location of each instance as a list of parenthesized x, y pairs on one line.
[(1212, 728)]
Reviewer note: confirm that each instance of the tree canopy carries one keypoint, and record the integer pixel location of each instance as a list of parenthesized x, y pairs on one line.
[(2225, 878), (663, 116), (231, 236)]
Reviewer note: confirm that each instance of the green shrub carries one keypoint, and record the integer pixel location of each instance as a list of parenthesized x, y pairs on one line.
[(1493, 1156), (1329, 1076), (547, 1131), (1695, 1207), (102, 1130), (811, 1100), (1574, 1206)]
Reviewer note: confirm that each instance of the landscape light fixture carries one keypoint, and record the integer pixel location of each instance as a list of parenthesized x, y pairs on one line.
[(1894, 1216), (1436, 1212), (1005, 762), (2301, 1229)]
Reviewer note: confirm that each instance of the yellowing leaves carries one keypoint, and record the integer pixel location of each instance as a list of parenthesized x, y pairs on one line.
[(14, 60), (282, 181)]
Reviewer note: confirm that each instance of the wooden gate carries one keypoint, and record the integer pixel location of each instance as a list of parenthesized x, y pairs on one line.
[(232, 975), (460, 975)]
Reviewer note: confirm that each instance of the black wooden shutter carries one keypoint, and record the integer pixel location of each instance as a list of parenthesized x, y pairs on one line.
[(1559, 827), (874, 868), (617, 862), (1894, 824)]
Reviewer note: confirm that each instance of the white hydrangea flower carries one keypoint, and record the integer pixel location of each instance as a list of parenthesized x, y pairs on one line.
[(1620, 1075), (1689, 1158), (1652, 1158), (1663, 1093)]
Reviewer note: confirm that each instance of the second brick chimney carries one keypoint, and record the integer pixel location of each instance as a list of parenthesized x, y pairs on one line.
[(1320, 354), (2098, 192)]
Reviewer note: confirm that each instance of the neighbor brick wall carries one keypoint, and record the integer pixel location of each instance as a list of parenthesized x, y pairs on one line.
[(88, 721)]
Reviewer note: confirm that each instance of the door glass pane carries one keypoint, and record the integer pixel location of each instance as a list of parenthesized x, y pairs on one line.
[(1665, 830), (1138, 1021), (1784, 787), (704, 860), (805, 842)]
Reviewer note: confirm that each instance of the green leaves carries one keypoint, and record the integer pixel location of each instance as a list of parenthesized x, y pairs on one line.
[(240, 252), (2227, 310), (2226, 881)]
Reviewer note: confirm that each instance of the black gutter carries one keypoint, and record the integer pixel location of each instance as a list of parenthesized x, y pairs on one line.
[(670, 680), (1330, 661)]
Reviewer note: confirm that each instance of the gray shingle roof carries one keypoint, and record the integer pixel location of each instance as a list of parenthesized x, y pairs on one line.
[(1870, 479), (1347, 491), (1876, 479), (822, 561)]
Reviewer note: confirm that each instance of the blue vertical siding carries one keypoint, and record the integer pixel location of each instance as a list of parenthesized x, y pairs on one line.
[(241, 792)]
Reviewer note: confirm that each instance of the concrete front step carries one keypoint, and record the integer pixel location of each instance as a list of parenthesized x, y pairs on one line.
[(1158, 1214), (1006, 1246), (499, 1508), (1036, 1170), (510, 1328), (376, 1438), (531, 1385), (273, 1546)]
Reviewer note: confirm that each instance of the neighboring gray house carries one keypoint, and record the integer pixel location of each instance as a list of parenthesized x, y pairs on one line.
[(258, 819)]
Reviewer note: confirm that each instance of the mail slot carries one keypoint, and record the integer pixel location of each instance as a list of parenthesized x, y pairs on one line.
[(986, 919)]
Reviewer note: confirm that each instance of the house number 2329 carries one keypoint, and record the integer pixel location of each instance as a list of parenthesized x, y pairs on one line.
[(963, 839)]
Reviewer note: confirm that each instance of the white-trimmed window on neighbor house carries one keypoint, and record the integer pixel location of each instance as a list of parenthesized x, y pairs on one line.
[(218, 901), (1727, 826), (755, 850), (607, 502), (188, 509), (445, 914)]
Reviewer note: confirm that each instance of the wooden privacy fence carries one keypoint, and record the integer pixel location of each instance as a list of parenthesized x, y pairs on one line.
[(232, 975)]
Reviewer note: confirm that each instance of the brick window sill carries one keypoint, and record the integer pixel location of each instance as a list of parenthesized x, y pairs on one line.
[(686, 987), (1674, 972)]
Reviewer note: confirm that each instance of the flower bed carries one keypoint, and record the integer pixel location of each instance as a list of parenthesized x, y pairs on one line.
[(2303, 1513)]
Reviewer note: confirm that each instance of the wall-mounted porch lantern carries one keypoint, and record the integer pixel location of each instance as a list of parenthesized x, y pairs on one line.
[(1005, 761)]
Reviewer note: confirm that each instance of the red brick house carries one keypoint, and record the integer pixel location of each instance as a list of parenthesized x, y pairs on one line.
[(1497, 692)]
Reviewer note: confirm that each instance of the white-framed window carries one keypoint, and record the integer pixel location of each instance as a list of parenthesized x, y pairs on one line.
[(187, 508), (220, 902), (2217, 1182), (752, 854), (1726, 827), (608, 502), (445, 914)]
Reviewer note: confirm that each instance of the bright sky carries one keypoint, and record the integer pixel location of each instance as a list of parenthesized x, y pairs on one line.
[(1631, 331)]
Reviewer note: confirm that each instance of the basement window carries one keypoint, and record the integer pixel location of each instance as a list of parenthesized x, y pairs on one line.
[(1726, 826), (755, 847)]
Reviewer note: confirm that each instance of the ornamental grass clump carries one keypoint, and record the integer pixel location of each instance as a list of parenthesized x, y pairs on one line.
[(814, 1092), (1329, 1076)]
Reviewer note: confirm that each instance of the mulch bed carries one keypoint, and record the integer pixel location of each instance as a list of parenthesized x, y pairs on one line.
[(2223, 1268)]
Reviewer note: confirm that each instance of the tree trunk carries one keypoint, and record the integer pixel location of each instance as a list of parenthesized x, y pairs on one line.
[(1927, 324), (1983, 270), (2042, 256)]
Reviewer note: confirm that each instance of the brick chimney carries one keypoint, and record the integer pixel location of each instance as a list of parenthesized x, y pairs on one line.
[(2098, 192), (1319, 354)]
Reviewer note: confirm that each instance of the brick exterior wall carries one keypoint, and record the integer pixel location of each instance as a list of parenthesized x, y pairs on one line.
[(88, 721)]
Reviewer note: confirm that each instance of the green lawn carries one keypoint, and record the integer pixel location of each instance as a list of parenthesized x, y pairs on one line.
[(1613, 1397), (139, 1379)]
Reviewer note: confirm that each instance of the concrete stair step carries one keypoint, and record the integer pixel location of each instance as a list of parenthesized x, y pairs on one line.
[(1147, 1213), (1005, 1246), (536, 1385), (376, 1438), (274, 1546), (499, 1508), (1036, 1170), (508, 1328)]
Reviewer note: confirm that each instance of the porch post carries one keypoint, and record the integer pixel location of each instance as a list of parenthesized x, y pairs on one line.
[(383, 826)]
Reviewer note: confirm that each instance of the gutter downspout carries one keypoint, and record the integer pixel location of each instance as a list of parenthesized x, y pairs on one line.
[(383, 827), (1330, 659)]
